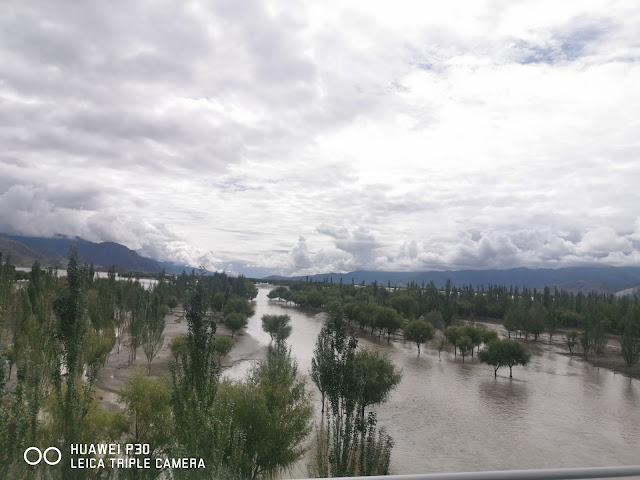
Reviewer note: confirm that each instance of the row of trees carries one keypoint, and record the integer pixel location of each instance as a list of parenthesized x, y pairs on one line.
[(525, 313)]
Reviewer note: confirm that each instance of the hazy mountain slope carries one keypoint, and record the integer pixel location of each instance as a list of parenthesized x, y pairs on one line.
[(609, 279), (102, 254), (23, 256)]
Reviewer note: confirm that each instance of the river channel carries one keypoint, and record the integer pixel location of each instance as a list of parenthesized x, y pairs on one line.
[(446, 416)]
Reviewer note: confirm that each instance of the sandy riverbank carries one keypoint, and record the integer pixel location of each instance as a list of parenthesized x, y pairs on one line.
[(117, 370)]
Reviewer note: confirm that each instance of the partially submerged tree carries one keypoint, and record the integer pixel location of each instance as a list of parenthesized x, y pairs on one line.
[(277, 326), (504, 353), (418, 331), (388, 320), (453, 334), (235, 321), (465, 344), (571, 339), (378, 376)]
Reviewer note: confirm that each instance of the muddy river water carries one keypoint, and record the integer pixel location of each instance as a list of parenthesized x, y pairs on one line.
[(447, 416)]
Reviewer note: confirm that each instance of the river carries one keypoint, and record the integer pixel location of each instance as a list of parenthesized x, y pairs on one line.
[(446, 416)]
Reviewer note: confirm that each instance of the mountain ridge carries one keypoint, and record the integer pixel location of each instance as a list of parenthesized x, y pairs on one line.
[(53, 251), (600, 278)]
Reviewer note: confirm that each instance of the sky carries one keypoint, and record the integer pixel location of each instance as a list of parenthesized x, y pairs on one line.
[(274, 137)]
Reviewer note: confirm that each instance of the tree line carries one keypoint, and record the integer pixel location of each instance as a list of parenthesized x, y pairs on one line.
[(584, 320)]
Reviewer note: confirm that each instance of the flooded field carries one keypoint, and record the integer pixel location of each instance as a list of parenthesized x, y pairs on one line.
[(448, 416)]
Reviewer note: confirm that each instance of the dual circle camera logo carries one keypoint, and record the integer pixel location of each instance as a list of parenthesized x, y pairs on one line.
[(42, 456)]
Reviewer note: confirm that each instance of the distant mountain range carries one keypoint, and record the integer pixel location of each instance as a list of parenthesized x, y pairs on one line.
[(573, 279), (54, 252)]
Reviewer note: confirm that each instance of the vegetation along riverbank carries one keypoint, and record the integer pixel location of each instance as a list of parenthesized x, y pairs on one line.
[(95, 360)]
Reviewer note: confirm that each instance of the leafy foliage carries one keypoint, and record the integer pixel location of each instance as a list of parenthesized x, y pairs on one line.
[(504, 353)]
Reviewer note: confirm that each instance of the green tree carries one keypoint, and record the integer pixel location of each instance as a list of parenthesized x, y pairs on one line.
[(275, 411), (571, 339), (515, 318), (441, 344), (172, 302), (464, 344), (153, 329), (224, 345), (630, 339), (238, 304), (504, 353), (194, 387), (346, 444), (388, 320), (476, 334), (277, 326), (435, 318), (73, 395), (322, 364), (178, 346), (537, 319), (378, 376), (453, 334), (149, 417), (235, 322), (419, 331)]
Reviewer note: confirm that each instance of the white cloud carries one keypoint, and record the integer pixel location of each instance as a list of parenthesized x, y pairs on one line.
[(403, 135)]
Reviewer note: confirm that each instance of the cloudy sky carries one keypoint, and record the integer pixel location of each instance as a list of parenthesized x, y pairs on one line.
[(306, 137)]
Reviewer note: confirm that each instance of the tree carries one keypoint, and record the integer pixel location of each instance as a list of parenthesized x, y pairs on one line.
[(489, 336), (552, 321), (388, 320), (453, 334), (501, 353), (224, 345), (435, 318), (322, 363), (464, 344), (274, 411), (369, 450), (476, 334), (147, 409), (195, 384), (537, 317), (346, 443), (172, 302), (152, 338), (72, 395), (571, 338), (441, 344), (630, 348), (514, 319), (178, 346), (280, 292), (378, 376), (630, 339), (277, 326), (419, 331), (235, 322), (238, 304)]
